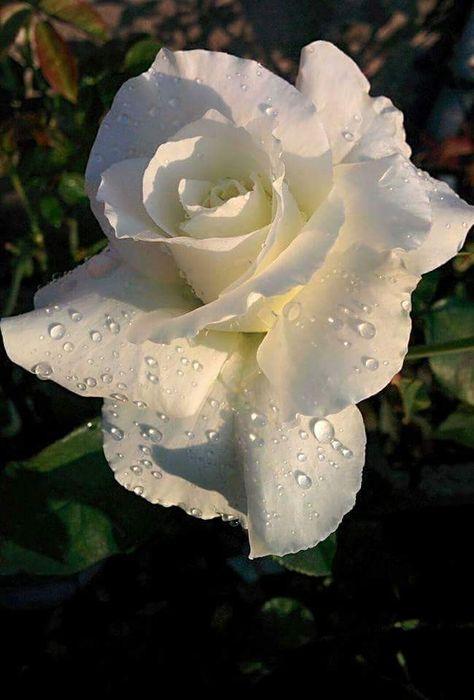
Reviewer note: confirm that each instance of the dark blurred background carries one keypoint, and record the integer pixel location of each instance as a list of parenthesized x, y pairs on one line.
[(180, 607)]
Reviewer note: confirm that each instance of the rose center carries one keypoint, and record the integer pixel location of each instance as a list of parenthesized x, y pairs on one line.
[(222, 191)]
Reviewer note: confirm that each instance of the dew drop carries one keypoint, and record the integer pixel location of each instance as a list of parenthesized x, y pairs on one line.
[(151, 362), (74, 315), (42, 370), (90, 381), (323, 430), (106, 378), (112, 325), (292, 310), (56, 331), (154, 435), (406, 305), (115, 432), (301, 457), (156, 474), (138, 490), (152, 378), (366, 329), (303, 435), (348, 135), (302, 479), (119, 397), (68, 347), (370, 363), (197, 366), (95, 336)]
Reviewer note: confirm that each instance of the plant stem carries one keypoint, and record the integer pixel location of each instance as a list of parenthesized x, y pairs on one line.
[(462, 345)]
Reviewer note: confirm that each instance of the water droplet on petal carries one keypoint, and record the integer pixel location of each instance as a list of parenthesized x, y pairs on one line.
[(348, 135), (302, 479), (68, 347), (56, 330), (95, 336), (366, 329), (370, 363), (323, 430), (42, 370), (292, 310), (406, 305)]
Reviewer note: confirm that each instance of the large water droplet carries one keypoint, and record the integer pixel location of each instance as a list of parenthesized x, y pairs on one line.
[(303, 480), (112, 325), (115, 432), (68, 347), (370, 363), (366, 329), (323, 430), (95, 336), (42, 370), (56, 331)]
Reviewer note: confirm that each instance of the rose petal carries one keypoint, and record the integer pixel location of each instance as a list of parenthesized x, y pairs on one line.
[(294, 267), (189, 462), (121, 191), (299, 486), (452, 218), (351, 118), (386, 204), (79, 340), (343, 337)]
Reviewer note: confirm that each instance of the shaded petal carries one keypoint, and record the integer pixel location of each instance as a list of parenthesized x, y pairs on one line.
[(121, 192), (79, 340), (292, 268), (188, 462), (298, 487), (452, 218), (386, 204), (352, 119), (343, 337)]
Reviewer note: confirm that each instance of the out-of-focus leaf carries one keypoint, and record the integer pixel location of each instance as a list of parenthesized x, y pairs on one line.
[(56, 60), (62, 511), (287, 623), (316, 561), (452, 319), (51, 210), (141, 55), (12, 18), (415, 397), (79, 13), (458, 426), (71, 188), (425, 291)]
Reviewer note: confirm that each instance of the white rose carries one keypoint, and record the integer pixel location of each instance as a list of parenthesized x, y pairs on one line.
[(264, 241)]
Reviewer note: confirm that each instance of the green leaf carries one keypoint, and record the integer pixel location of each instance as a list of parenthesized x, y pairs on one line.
[(452, 320), (316, 561), (12, 18), (415, 397), (287, 623), (71, 188), (141, 55), (52, 210), (458, 426), (62, 511), (57, 63), (79, 13)]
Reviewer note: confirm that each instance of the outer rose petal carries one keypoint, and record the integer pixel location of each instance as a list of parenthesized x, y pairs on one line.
[(79, 340), (386, 204), (452, 219), (189, 462), (351, 118), (298, 487), (343, 337)]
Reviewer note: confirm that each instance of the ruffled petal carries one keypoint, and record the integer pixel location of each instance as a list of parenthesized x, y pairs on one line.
[(352, 119), (451, 220), (343, 337), (79, 339), (300, 480), (386, 204), (187, 462)]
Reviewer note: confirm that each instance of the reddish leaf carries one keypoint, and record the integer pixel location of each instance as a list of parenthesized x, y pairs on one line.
[(56, 61), (12, 19), (79, 13)]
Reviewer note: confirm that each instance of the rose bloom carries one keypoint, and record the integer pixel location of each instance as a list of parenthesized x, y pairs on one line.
[(264, 241)]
